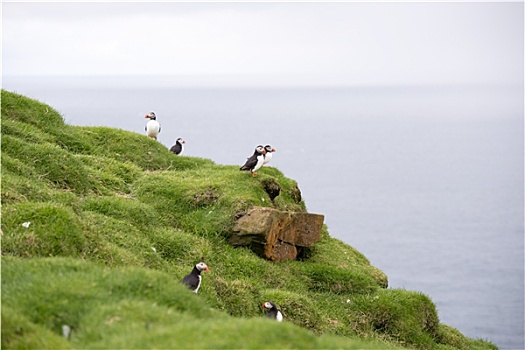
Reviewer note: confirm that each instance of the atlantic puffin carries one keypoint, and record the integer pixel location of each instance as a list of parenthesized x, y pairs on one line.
[(274, 312), (268, 155), (256, 161), (152, 126), (193, 279), (178, 147)]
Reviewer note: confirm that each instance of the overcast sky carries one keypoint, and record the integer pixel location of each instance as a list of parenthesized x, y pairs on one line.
[(340, 43)]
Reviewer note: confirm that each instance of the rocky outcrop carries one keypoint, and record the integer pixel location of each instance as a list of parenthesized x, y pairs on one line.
[(277, 235)]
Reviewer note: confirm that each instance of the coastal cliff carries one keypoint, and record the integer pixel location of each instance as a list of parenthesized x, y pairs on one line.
[(99, 225)]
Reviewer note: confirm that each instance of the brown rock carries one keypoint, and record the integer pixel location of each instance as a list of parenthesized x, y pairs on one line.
[(283, 251), (275, 234)]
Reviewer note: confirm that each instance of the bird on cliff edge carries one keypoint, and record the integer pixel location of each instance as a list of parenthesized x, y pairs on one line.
[(193, 279), (152, 127), (274, 312), (255, 162), (178, 147)]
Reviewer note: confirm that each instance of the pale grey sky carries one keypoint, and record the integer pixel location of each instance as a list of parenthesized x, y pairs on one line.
[(306, 43)]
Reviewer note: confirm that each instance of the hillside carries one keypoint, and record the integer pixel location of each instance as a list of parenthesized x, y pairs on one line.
[(100, 225)]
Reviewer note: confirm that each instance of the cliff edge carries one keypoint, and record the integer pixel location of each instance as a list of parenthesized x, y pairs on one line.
[(99, 225)]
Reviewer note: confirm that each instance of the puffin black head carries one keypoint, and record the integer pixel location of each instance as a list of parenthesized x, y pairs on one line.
[(202, 267), (151, 115), (260, 149), (180, 140), (269, 305), (269, 149), (274, 312)]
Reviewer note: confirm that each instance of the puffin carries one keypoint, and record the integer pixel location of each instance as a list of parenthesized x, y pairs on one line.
[(274, 312), (268, 155), (193, 279), (178, 147), (152, 126), (255, 161)]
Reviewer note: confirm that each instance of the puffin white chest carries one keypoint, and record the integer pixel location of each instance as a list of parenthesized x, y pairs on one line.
[(267, 157), (279, 316), (152, 128), (260, 162)]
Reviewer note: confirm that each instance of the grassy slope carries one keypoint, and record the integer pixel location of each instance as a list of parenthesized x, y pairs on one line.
[(116, 220)]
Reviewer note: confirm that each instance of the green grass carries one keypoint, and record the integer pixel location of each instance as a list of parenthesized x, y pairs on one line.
[(100, 225)]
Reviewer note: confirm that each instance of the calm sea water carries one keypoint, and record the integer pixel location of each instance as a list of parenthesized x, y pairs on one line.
[(427, 182)]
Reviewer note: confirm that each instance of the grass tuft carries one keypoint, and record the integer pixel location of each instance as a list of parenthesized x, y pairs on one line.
[(41, 229)]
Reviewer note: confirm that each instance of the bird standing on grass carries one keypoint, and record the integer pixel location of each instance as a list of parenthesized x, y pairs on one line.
[(268, 155), (274, 312), (255, 162), (193, 279), (152, 126), (178, 147)]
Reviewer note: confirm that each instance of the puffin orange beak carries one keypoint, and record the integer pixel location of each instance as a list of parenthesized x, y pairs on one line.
[(274, 150), (207, 269)]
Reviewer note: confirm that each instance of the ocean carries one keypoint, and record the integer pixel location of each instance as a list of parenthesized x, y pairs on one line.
[(426, 181)]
